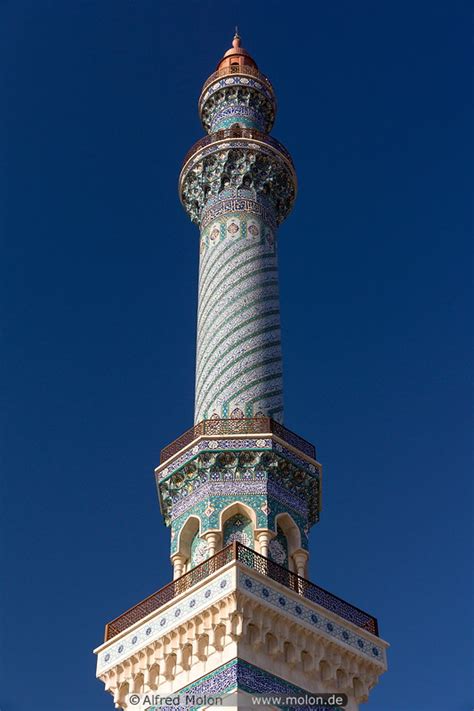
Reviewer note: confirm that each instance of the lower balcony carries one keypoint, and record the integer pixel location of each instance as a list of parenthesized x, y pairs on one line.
[(250, 559), (237, 610)]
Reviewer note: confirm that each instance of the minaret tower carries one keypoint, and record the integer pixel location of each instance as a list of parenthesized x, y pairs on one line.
[(238, 185), (238, 490)]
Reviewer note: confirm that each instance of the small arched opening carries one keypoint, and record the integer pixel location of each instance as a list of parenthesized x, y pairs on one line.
[(286, 541), (191, 546), (238, 524)]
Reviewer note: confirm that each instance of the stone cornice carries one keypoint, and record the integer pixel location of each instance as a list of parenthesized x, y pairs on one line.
[(230, 615)]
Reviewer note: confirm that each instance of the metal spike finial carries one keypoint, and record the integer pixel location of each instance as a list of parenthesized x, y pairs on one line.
[(236, 40)]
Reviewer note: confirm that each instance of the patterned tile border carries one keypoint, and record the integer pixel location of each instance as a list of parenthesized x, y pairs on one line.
[(221, 681), (301, 611), (254, 680), (211, 445), (236, 81), (239, 675), (215, 445), (264, 487), (163, 621)]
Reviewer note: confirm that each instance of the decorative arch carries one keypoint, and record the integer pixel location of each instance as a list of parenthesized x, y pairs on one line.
[(286, 541), (191, 546), (359, 690), (237, 523), (278, 548), (190, 527), (290, 530), (324, 670), (235, 508)]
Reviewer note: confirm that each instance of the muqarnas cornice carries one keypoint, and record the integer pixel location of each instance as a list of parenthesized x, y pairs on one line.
[(241, 102), (243, 86), (238, 158), (212, 471)]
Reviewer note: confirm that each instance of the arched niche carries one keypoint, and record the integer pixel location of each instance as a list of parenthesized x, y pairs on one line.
[(286, 541), (190, 544), (237, 523), (278, 548)]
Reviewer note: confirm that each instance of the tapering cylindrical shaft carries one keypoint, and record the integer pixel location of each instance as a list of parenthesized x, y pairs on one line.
[(239, 366)]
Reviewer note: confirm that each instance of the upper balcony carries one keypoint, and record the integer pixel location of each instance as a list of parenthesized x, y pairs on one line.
[(243, 69), (237, 132), (234, 426)]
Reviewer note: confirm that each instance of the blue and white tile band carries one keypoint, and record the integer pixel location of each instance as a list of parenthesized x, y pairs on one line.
[(164, 621), (304, 613)]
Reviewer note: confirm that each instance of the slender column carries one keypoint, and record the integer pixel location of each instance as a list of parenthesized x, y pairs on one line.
[(300, 557), (178, 561), (264, 537), (213, 540)]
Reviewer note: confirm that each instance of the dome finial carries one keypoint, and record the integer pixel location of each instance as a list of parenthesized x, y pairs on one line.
[(236, 55), (236, 40)]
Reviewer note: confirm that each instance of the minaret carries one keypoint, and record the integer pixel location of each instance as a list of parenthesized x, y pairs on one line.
[(238, 490), (238, 185)]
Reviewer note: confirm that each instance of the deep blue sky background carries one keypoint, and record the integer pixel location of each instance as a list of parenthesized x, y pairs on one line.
[(98, 286)]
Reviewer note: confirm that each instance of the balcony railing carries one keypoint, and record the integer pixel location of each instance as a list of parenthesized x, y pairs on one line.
[(237, 132), (238, 552), (230, 426), (244, 69)]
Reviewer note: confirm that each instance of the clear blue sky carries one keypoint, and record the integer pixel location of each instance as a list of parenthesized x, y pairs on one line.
[(98, 287)]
